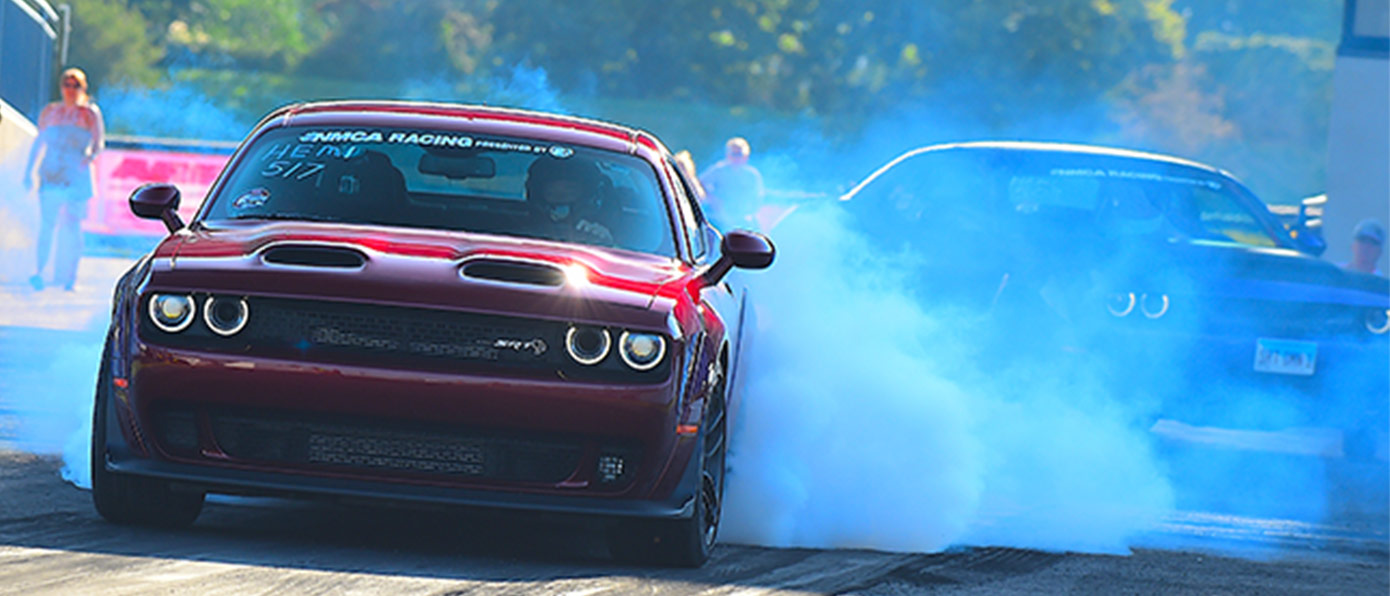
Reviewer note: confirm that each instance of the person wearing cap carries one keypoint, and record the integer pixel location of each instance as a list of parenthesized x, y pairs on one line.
[(731, 185), (1368, 242), (565, 194), (71, 134)]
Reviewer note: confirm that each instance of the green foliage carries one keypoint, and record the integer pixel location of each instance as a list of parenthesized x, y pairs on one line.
[(111, 43), (280, 32), (1201, 78)]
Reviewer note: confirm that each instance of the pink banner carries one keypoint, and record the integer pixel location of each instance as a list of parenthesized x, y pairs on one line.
[(121, 171)]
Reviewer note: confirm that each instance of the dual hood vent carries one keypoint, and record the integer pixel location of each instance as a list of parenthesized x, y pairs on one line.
[(497, 270)]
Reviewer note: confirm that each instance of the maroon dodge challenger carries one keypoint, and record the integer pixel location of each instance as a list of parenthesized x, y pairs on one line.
[(430, 303)]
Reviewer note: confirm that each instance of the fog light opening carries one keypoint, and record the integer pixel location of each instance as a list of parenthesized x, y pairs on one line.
[(611, 468)]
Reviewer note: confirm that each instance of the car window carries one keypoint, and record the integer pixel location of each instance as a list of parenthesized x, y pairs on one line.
[(449, 181), (955, 192), (691, 217)]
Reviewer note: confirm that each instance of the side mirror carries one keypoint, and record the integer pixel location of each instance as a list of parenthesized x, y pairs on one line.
[(157, 201), (742, 249)]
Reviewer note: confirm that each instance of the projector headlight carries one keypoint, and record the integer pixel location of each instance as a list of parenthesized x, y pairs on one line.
[(225, 316), (1378, 321), (641, 351), (171, 313), (588, 345)]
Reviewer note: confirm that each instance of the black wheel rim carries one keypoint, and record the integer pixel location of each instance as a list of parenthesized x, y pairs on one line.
[(712, 472)]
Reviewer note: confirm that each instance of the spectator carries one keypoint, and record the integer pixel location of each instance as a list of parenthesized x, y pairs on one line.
[(1366, 245), (732, 185), (71, 133)]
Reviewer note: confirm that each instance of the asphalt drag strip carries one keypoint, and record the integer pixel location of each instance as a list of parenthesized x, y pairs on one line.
[(52, 542)]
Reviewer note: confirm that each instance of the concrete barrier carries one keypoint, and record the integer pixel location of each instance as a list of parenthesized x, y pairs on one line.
[(19, 210)]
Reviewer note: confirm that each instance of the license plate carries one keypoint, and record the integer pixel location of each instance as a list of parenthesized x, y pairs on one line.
[(1285, 356)]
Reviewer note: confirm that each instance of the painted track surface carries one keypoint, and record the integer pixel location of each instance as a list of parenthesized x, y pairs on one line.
[(51, 541)]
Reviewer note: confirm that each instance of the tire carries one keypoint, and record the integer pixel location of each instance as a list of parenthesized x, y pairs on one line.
[(684, 542), (123, 499)]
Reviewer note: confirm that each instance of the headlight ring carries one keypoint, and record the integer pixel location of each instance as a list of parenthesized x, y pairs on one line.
[(1121, 304), (641, 351), (1377, 321), (1154, 305), (172, 313), (226, 316), (588, 345)]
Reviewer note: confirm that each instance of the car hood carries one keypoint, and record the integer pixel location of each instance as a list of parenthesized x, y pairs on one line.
[(420, 268), (1236, 271)]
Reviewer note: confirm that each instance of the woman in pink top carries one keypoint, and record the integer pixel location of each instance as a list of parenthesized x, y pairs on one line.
[(71, 133)]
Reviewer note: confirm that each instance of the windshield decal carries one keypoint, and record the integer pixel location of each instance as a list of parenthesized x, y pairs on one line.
[(298, 170), (251, 199), (1131, 175), (281, 151), (328, 138)]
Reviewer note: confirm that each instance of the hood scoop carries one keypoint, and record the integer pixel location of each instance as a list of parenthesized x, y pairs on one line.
[(302, 255), (515, 272)]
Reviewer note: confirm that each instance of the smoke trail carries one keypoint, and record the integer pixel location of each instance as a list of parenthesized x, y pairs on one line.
[(177, 111), (867, 423)]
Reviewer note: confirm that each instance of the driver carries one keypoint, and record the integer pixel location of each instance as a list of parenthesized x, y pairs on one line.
[(566, 194)]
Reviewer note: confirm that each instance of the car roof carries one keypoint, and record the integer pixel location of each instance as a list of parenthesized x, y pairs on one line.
[(1036, 146), (535, 124)]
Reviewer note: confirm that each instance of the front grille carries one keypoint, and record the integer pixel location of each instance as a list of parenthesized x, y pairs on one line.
[(386, 446), (377, 331), (1268, 318)]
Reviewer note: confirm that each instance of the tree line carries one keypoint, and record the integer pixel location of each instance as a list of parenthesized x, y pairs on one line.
[(1197, 77)]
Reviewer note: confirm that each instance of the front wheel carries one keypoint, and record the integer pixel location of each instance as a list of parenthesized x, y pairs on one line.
[(684, 542), (125, 499)]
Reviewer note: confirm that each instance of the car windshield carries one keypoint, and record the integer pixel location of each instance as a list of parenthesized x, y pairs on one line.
[(1054, 193), (449, 181)]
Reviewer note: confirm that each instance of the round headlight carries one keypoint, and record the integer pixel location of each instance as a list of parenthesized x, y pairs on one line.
[(1377, 320), (171, 313), (225, 316), (641, 351), (588, 345)]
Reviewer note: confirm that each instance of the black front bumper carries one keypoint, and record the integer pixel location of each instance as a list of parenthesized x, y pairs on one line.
[(211, 479)]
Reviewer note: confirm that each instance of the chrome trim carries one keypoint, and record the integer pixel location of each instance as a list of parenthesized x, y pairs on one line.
[(660, 351), (192, 313), (569, 346), (207, 316)]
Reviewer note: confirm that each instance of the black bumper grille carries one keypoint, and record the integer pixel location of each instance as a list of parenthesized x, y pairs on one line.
[(378, 446), (378, 331)]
